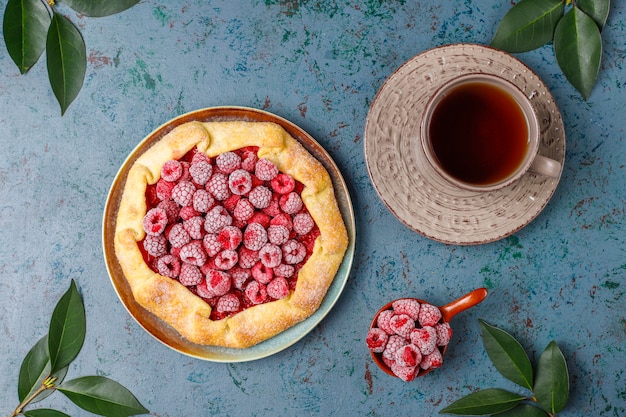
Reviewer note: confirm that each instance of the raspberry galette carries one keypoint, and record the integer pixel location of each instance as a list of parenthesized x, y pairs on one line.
[(229, 232)]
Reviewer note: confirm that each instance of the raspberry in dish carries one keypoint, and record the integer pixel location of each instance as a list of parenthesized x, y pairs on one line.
[(409, 338), (229, 232)]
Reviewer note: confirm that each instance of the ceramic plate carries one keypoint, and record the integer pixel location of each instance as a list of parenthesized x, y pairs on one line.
[(162, 331), (409, 186)]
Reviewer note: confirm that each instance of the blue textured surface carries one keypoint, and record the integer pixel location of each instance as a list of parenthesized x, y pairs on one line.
[(319, 65)]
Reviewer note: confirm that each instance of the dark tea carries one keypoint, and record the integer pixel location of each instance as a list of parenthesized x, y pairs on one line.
[(479, 133)]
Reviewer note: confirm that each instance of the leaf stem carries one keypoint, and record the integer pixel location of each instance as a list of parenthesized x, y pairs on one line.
[(47, 383)]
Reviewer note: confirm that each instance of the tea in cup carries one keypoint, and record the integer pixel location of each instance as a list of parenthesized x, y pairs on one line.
[(481, 133)]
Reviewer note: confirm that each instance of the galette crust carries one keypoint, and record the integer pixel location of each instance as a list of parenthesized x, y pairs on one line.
[(176, 305)]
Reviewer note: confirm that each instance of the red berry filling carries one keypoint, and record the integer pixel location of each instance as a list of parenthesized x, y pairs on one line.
[(409, 337), (232, 229)]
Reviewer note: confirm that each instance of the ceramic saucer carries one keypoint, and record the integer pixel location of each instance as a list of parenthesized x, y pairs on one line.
[(409, 186)]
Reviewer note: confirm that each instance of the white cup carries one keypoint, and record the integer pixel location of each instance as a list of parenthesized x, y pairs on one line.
[(480, 132)]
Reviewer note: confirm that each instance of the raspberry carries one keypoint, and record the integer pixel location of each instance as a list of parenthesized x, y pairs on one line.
[(218, 186), (226, 259), (194, 226), (230, 237), (217, 219), (409, 356), (203, 291), (283, 183), (432, 360), (291, 203), (260, 218), (200, 172), (182, 193), (429, 315), (178, 236), (239, 224), (303, 223), (239, 276), (248, 160), (240, 182), (294, 252), (172, 170), (228, 303), (155, 221), (260, 197), (376, 340), (270, 255), (231, 202), (217, 283), (228, 162), (273, 209), (168, 266), (444, 333), (190, 275), (187, 213), (278, 288), (193, 253), (243, 210), (265, 170), (402, 325), (164, 189), (185, 175), (407, 306), (425, 339), (383, 321), (261, 273), (277, 234), (256, 292), (285, 271), (255, 236), (405, 373), (202, 201), (282, 220), (199, 156), (155, 245), (247, 257), (211, 244), (171, 209), (394, 343)]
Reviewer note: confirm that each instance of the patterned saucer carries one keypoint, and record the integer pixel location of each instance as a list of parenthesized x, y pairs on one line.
[(409, 186)]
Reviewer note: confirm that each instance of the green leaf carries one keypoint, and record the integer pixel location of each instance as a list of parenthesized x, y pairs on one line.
[(67, 60), (35, 368), (552, 381), (103, 396), (578, 49), (507, 355), (98, 8), (524, 410), (25, 26), (67, 329), (598, 10), (485, 402), (45, 412), (528, 25)]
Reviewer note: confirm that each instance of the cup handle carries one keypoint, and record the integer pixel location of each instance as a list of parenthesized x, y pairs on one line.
[(545, 166)]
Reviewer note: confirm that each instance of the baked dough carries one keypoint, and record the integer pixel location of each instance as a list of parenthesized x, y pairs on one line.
[(172, 302)]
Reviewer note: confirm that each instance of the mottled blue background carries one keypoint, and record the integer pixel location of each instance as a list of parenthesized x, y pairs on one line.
[(318, 64)]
